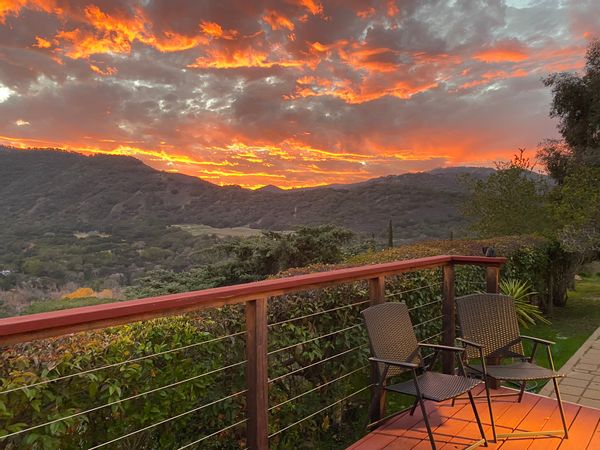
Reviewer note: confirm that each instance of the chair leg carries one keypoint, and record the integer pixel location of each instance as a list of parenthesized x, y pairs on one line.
[(560, 407), (414, 406), (522, 391), (374, 409), (489, 401), (426, 420), (472, 400)]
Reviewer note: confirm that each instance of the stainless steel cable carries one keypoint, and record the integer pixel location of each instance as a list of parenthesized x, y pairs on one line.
[(213, 434), (116, 402), (314, 339), (424, 304), (427, 321), (319, 411), (432, 337), (317, 388), (121, 363), (285, 375), (413, 290), (178, 416), (293, 319)]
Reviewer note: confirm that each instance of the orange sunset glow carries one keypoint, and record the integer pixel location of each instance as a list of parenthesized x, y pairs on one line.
[(291, 93)]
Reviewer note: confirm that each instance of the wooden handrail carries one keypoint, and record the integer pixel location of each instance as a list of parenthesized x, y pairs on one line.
[(56, 323), (255, 297)]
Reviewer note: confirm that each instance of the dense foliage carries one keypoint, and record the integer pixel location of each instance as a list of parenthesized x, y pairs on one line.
[(513, 200), (163, 261), (576, 103), (574, 161), (255, 258)]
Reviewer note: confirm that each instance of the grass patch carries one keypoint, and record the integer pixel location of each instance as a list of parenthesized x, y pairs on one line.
[(205, 230), (57, 305), (572, 324)]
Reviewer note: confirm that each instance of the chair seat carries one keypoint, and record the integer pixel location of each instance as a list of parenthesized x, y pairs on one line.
[(436, 386), (521, 371)]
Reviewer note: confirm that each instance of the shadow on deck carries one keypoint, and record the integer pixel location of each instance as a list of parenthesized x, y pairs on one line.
[(455, 427)]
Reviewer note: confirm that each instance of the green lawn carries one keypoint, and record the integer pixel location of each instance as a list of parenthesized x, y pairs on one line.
[(59, 304), (573, 324), (202, 230)]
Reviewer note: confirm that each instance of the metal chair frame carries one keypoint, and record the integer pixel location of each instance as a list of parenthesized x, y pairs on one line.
[(512, 348), (399, 311)]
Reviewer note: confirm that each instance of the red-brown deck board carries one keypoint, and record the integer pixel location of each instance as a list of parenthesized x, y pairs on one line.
[(454, 427)]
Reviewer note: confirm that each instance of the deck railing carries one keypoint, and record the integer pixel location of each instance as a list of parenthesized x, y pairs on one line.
[(255, 298)]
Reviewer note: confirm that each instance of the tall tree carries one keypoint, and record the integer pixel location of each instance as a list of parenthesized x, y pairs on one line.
[(511, 201), (576, 103), (574, 161)]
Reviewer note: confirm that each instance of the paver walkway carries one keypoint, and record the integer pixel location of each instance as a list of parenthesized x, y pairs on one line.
[(582, 382)]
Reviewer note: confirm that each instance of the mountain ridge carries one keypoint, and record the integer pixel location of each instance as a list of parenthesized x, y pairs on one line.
[(47, 189)]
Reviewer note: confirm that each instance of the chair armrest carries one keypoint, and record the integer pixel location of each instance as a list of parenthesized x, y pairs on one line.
[(443, 347), (471, 343), (538, 340), (391, 362)]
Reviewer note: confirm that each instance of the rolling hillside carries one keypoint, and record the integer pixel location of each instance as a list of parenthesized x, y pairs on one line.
[(45, 190)]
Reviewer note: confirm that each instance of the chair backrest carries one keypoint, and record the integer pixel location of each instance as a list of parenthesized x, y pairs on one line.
[(391, 334), (490, 320)]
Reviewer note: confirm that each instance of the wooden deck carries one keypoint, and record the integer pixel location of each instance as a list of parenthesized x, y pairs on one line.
[(455, 427)]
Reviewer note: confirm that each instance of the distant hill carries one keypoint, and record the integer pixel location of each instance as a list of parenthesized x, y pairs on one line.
[(46, 190)]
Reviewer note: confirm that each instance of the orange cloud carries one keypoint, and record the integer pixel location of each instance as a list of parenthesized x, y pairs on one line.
[(100, 32), (490, 77), (232, 58), (373, 59), (13, 7), (315, 7), (278, 21), (42, 43), (215, 31), (365, 91), (391, 8), (503, 52), (104, 72), (366, 13)]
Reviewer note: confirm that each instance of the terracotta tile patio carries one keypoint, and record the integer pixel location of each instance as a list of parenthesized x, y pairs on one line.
[(455, 427)]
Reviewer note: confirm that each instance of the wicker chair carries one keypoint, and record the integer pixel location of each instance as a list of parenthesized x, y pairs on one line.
[(395, 350), (490, 331)]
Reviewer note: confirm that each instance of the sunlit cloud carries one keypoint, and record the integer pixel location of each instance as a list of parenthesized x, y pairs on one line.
[(292, 93), (504, 52)]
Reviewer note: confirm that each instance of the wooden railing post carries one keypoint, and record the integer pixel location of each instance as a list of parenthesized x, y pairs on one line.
[(376, 296), (492, 277), (448, 317), (257, 374)]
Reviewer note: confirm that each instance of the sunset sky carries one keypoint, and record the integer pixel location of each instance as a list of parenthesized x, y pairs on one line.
[(289, 92)]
